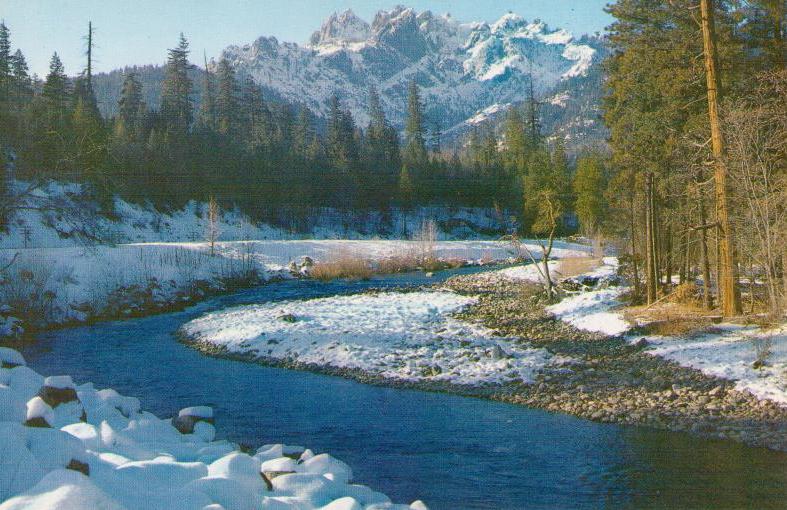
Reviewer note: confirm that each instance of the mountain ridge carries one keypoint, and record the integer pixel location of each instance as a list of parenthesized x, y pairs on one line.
[(463, 69)]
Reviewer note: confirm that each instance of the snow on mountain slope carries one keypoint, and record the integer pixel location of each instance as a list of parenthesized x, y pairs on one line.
[(462, 68)]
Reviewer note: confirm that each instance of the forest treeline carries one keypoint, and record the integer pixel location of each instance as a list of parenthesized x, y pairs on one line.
[(270, 158), (697, 112)]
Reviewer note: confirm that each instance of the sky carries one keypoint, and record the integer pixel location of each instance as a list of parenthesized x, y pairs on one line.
[(129, 32)]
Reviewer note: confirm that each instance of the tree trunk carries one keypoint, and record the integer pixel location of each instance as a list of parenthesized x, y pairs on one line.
[(728, 281), (651, 260), (668, 262), (707, 300), (784, 278), (547, 251), (634, 263)]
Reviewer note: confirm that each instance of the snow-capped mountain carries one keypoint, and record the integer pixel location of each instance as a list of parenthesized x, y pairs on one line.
[(469, 73), (463, 69)]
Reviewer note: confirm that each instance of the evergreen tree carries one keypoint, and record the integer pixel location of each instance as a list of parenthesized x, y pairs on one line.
[(131, 108), (207, 113), (5, 63), (415, 145), (176, 104), (255, 115), (22, 90), (589, 186), (516, 149), (55, 89), (406, 189), (226, 98)]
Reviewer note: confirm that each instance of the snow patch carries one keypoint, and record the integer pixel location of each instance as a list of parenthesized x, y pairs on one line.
[(730, 353), (594, 310), (404, 336)]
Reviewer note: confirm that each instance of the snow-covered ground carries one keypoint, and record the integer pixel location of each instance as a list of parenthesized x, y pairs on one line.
[(67, 447), (61, 215), (594, 310), (403, 336), (80, 282), (730, 352)]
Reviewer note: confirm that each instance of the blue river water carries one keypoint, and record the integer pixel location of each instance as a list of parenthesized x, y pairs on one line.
[(451, 452)]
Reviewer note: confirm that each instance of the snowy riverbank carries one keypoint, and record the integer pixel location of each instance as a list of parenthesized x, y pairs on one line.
[(64, 446), (45, 286), (728, 351), (400, 336)]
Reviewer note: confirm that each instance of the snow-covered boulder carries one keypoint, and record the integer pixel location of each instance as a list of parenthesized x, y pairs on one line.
[(329, 467), (101, 451), (187, 418), (63, 490), (39, 414), (9, 358)]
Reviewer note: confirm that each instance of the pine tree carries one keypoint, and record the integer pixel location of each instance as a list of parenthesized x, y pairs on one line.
[(5, 63), (176, 104), (406, 189), (207, 112), (256, 118), (303, 134), (22, 84), (516, 142), (55, 89), (226, 98), (589, 186), (131, 107), (415, 145)]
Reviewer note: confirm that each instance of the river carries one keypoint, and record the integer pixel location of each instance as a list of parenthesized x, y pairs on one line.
[(452, 452)]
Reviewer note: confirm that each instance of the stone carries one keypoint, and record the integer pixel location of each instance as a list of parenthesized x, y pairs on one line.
[(56, 396), (288, 317), (38, 421), (185, 422), (81, 467)]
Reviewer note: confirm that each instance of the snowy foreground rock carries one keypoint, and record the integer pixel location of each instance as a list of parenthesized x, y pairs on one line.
[(84, 448), (408, 336)]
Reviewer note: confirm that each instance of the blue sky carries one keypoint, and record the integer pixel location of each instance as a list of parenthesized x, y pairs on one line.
[(139, 31)]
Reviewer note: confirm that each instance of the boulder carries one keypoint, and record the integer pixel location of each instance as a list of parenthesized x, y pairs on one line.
[(58, 390), (39, 414), (190, 416), (78, 466), (10, 358)]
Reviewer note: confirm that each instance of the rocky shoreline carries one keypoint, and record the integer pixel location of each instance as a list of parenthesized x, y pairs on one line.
[(602, 378)]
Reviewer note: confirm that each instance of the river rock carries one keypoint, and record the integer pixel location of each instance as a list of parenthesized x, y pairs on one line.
[(190, 416), (58, 390)]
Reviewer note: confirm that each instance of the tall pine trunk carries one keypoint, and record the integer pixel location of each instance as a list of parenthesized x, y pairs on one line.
[(728, 280), (707, 300), (651, 253)]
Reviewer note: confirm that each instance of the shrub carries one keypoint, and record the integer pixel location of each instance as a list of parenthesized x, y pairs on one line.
[(763, 349), (342, 266)]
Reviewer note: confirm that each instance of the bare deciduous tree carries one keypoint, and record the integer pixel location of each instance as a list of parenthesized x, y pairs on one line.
[(212, 226), (757, 160)]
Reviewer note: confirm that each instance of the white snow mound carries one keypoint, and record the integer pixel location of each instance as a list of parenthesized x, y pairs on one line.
[(123, 458)]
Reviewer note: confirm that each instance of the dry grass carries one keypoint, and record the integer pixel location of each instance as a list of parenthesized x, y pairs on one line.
[(573, 266), (402, 263), (670, 319), (343, 265)]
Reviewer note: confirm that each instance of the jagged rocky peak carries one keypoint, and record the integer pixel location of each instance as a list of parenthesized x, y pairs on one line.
[(341, 28)]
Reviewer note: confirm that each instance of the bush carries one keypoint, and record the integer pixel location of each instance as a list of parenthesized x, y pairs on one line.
[(343, 266)]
